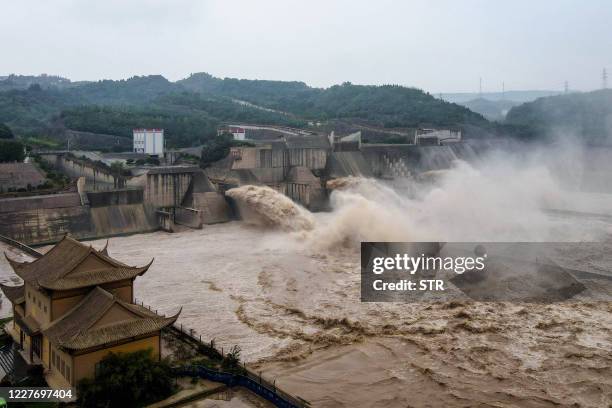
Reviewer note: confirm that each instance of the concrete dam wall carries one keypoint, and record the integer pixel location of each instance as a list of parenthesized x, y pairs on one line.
[(406, 160), (102, 209), (164, 188), (46, 219), (202, 204), (393, 161), (75, 168)]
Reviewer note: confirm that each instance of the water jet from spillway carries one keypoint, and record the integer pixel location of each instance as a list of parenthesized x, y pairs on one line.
[(264, 206)]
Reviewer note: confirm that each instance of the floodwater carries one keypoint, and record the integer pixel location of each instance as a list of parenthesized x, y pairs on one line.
[(286, 288)]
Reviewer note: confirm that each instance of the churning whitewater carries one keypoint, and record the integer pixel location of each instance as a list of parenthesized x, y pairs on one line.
[(284, 284)]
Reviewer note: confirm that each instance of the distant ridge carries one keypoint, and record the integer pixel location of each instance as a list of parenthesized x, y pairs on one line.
[(514, 96), (191, 109), (585, 115)]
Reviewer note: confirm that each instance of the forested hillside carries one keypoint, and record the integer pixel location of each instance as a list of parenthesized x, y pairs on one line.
[(388, 105), (191, 109), (13, 82), (587, 116)]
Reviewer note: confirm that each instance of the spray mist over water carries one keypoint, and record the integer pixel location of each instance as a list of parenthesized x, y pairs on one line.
[(290, 294), (504, 198)]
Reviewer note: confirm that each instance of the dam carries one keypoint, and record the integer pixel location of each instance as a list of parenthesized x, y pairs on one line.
[(102, 204), (106, 203), (300, 166)]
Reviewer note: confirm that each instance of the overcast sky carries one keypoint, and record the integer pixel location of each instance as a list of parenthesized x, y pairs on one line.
[(436, 45)]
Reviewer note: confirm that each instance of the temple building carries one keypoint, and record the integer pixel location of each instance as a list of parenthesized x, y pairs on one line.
[(76, 305)]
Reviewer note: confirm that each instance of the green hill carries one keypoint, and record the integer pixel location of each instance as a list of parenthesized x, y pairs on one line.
[(387, 105), (13, 82), (587, 116), (272, 94), (191, 109)]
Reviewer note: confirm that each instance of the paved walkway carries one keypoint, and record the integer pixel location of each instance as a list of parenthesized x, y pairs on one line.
[(190, 392)]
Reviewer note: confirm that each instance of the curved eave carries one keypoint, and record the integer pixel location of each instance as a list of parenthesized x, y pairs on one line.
[(170, 320), (69, 284), (14, 264), (104, 251), (14, 293), (146, 267)]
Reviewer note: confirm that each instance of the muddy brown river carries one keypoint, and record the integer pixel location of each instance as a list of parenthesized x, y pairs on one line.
[(290, 297)]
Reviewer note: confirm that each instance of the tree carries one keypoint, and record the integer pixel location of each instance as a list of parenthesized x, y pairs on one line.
[(126, 380), (117, 168), (231, 360), (6, 132), (218, 148), (11, 151)]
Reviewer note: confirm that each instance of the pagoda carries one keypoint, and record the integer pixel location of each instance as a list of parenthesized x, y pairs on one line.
[(75, 306)]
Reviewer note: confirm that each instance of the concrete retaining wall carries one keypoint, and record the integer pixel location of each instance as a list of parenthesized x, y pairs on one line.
[(268, 175), (314, 159), (46, 219), (213, 207), (165, 220), (163, 189), (266, 157), (189, 217), (8, 205), (45, 225), (96, 177), (121, 219), (344, 164), (402, 160), (305, 188), (271, 158), (115, 197)]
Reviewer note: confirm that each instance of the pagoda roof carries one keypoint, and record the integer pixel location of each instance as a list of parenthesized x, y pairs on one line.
[(71, 264), (16, 294), (101, 318)]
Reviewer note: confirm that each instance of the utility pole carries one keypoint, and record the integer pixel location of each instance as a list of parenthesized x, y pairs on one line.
[(604, 79)]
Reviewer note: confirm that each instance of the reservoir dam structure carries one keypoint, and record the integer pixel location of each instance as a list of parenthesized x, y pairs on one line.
[(107, 203), (300, 166), (104, 204)]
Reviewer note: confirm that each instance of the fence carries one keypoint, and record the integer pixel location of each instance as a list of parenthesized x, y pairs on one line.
[(7, 358), (250, 379), (257, 385)]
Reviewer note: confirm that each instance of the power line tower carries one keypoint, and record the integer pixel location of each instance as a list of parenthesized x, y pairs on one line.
[(604, 79), (566, 87)]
